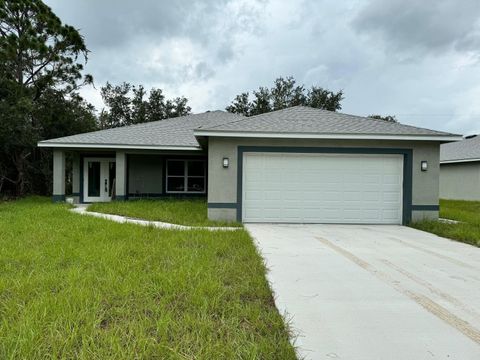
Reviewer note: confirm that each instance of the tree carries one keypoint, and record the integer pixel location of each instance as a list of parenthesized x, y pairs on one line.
[(261, 102), (40, 58), (388, 118), (240, 105), (119, 104), (127, 104), (37, 51), (323, 99), (285, 93), (59, 117)]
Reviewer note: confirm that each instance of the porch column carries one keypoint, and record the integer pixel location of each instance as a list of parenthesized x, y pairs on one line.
[(121, 175), (76, 178), (58, 176)]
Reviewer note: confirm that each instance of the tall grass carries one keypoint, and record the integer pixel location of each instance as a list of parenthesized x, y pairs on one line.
[(176, 211), (466, 212), (77, 287)]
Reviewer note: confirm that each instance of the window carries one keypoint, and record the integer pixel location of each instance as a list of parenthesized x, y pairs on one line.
[(186, 176)]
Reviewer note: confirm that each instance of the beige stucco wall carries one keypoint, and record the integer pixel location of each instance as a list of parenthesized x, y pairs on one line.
[(460, 181), (420, 215), (222, 183)]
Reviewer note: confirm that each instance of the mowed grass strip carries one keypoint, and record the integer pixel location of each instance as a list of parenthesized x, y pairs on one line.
[(467, 212), (191, 212), (78, 287)]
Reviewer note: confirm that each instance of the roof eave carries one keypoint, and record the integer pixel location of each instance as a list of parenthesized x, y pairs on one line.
[(438, 138), (459, 161), (47, 144)]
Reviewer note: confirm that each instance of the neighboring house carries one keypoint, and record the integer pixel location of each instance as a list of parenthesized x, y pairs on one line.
[(298, 165), (460, 169)]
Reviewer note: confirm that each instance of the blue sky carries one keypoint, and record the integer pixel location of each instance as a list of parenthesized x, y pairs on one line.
[(417, 60)]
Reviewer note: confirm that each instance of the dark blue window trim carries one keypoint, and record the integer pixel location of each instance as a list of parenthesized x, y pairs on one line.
[(407, 167)]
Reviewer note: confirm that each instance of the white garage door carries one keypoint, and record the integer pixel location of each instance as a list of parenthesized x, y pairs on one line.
[(322, 188)]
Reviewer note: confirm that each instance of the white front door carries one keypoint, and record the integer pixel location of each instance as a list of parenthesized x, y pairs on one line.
[(98, 179), (322, 188)]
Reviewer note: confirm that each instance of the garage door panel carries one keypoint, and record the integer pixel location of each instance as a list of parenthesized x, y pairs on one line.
[(353, 195), (334, 188), (391, 179), (371, 195)]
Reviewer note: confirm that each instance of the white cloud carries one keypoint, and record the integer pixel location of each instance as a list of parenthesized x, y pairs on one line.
[(388, 57)]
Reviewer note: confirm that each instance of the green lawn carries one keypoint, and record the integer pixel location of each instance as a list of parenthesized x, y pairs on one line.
[(467, 212), (176, 211), (75, 286)]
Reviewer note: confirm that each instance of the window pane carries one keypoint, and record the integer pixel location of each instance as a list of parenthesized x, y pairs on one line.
[(196, 168), (175, 184), (196, 184), (93, 178), (176, 168)]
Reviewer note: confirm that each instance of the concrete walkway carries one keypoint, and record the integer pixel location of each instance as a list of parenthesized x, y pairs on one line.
[(83, 210), (374, 292)]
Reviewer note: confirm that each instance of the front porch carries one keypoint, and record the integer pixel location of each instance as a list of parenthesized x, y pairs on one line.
[(98, 176)]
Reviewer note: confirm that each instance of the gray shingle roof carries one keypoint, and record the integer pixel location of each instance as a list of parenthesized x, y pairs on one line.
[(302, 119), (170, 132), (467, 149), (179, 132)]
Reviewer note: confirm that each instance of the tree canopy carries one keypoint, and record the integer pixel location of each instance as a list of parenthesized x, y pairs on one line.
[(388, 118), (127, 104), (283, 94), (41, 64)]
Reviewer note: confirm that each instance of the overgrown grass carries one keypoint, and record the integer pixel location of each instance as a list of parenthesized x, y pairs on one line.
[(75, 286), (176, 211), (467, 212)]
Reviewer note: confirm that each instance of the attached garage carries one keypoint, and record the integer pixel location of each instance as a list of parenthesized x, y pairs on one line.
[(322, 188), (305, 165)]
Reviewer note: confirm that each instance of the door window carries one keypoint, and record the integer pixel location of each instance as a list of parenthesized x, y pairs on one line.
[(93, 178), (111, 176)]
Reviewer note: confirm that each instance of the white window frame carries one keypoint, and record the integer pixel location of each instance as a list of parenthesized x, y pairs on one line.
[(186, 176)]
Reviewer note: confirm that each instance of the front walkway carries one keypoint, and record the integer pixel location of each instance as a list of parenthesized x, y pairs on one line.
[(83, 210), (374, 292)]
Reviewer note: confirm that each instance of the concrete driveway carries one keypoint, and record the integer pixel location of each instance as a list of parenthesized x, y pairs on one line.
[(374, 292)]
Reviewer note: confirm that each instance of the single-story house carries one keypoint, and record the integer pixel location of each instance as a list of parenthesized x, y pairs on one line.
[(460, 169), (297, 165)]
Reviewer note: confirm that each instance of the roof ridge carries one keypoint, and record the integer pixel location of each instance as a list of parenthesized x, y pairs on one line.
[(243, 117)]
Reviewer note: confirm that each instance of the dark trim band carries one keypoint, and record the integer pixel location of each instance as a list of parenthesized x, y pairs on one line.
[(222, 205), (76, 194), (58, 198), (407, 167), (425, 207), (135, 196)]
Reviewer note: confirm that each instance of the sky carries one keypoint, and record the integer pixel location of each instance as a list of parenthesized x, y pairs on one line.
[(417, 60)]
